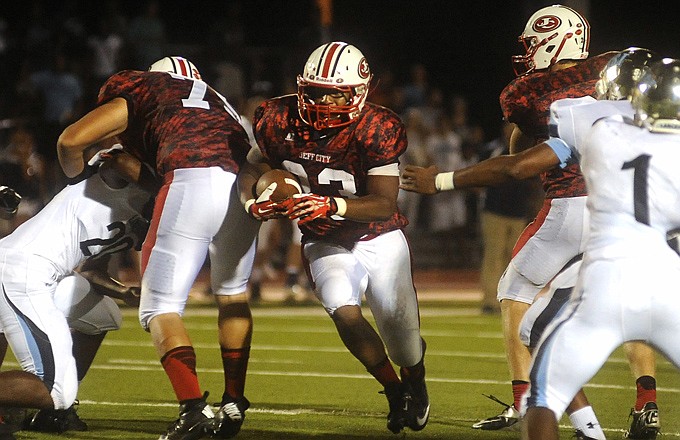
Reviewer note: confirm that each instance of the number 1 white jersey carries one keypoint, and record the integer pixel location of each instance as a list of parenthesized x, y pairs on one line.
[(627, 285), (82, 220), (633, 187)]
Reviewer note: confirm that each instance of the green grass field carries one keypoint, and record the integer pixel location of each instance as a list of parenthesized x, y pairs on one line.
[(303, 384)]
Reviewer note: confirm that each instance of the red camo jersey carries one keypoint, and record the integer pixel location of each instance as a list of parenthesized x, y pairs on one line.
[(176, 122), (332, 162), (526, 102)]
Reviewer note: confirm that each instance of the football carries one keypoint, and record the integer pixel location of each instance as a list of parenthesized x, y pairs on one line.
[(286, 184)]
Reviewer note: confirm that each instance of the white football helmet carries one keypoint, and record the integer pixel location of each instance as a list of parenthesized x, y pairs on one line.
[(177, 65), (552, 34), (656, 97), (622, 72), (333, 68)]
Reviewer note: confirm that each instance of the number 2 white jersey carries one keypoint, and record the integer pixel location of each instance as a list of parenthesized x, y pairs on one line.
[(82, 220), (633, 187)]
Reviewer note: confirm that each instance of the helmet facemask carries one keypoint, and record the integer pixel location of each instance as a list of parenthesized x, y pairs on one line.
[(320, 115)]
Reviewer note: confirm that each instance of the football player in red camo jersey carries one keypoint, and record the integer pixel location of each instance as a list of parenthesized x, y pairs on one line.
[(555, 66), (345, 153), (191, 136)]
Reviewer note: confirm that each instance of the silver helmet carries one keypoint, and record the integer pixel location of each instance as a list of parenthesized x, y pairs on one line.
[(619, 77), (656, 97)]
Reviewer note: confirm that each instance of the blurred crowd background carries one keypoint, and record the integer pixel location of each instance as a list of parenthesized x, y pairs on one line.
[(439, 65)]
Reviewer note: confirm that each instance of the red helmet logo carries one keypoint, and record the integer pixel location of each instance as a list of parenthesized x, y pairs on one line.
[(546, 23), (364, 70)]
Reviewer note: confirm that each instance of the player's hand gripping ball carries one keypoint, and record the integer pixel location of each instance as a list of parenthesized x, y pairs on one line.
[(274, 190)]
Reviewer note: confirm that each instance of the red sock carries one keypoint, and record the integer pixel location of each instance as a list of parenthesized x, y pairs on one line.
[(180, 366), (518, 388), (235, 364), (646, 391), (384, 372)]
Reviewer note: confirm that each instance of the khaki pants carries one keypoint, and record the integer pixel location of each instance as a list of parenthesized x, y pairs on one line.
[(499, 234)]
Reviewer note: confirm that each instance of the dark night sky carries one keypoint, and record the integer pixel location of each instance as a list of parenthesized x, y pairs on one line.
[(466, 46)]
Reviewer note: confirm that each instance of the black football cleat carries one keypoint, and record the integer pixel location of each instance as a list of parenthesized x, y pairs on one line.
[(55, 420), (645, 424), (398, 400), (418, 411), (509, 418), (229, 418), (194, 422)]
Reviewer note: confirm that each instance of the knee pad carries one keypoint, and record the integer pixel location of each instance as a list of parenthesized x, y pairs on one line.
[(86, 311), (153, 304)]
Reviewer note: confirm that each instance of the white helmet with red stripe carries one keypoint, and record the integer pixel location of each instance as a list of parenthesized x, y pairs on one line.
[(333, 68), (177, 65), (552, 34)]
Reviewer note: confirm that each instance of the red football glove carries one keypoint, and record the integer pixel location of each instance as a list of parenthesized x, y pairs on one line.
[(265, 209), (308, 207)]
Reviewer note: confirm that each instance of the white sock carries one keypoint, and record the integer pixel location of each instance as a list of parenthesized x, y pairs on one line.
[(586, 421)]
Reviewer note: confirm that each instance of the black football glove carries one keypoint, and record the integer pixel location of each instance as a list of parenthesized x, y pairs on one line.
[(9, 202)]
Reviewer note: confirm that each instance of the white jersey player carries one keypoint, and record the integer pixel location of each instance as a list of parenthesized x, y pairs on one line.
[(570, 122), (627, 285), (86, 220)]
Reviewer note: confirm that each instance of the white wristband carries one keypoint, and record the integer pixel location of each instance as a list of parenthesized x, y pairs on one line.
[(248, 204), (342, 206), (444, 181)]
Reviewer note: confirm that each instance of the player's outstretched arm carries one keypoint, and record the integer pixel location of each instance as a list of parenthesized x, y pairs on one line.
[(103, 122), (490, 172)]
